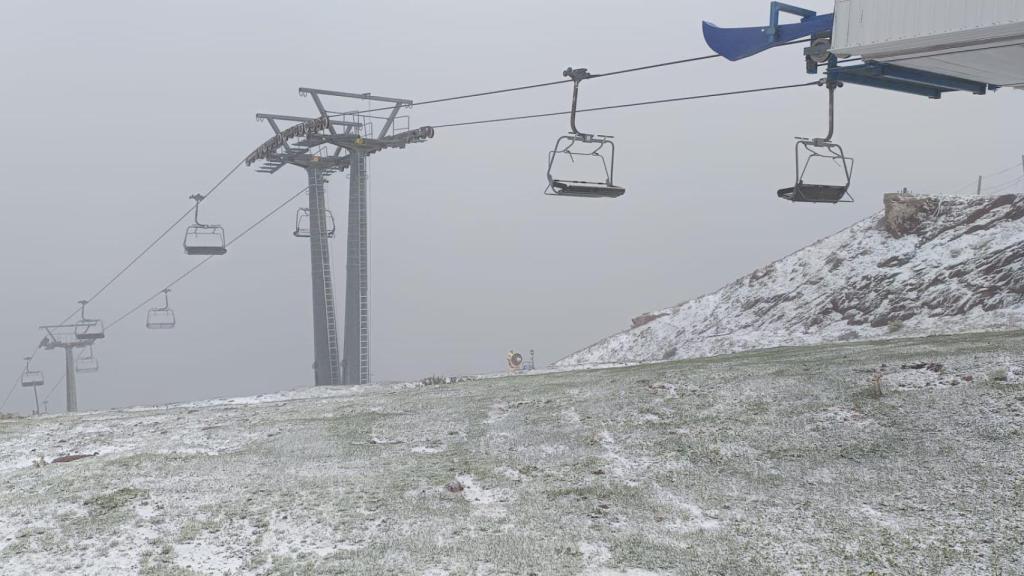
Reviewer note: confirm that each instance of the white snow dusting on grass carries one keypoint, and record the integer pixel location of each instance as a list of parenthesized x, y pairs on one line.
[(960, 270), (771, 462)]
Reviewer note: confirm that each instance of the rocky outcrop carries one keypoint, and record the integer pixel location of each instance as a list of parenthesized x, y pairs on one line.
[(925, 265), (904, 212), (646, 319)]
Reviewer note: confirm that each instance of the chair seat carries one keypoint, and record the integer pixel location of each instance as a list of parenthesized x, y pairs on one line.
[(206, 250), (818, 193), (586, 189), (159, 325)]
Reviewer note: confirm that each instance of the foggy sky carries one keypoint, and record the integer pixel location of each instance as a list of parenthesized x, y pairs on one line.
[(115, 112)]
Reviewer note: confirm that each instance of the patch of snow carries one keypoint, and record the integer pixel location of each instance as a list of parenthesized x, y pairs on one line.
[(627, 572), (594, 555), (427, 449), (205, 556), (487, 502), (960, 270)]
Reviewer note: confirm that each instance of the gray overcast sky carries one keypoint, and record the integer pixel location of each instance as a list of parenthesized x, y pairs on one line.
[(115, 112)]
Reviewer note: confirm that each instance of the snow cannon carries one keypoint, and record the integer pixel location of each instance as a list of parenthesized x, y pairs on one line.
[(515, 361)]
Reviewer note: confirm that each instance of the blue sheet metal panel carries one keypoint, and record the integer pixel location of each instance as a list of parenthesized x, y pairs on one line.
[(931, 78), (901, 79), (856, 75), (738, 43)]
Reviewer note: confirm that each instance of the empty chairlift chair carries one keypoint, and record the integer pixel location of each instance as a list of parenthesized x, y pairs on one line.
[(204, 239), (87, 362), (581, 146), (815, 156), (161, 317), (88, 329), (31, 378), (302, 223)]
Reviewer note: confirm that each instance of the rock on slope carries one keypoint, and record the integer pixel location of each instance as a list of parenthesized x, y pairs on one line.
[(925, 265)]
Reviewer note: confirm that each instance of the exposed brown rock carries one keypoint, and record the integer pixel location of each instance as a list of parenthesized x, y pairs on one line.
[(646, 319), (904, 213), (72, 458)]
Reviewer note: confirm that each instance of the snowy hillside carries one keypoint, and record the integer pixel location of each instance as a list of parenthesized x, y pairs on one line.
[(893, 457), (925, 265)]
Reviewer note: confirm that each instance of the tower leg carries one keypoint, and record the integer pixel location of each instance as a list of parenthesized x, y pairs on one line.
[(357, 271), (69, 379), (327, 369)]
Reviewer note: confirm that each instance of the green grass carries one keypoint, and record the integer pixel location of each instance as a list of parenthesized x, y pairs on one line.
[(766, 462)]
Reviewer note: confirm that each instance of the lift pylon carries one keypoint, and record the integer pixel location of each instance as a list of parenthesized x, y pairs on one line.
[(67, 338), (323, 145)]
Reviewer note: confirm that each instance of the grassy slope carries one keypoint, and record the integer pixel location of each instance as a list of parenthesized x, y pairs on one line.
[(769, 462)]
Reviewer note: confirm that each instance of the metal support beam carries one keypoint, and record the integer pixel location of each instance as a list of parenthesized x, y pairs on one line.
[(288, 118), (69, 379), (902, 79), (326, 363), (779, 7), (356, 364), (366, 96), (930, 78)]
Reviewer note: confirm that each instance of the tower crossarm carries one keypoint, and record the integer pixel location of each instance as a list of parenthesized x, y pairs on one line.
[(307, 160), (371, 145), (304, 128)]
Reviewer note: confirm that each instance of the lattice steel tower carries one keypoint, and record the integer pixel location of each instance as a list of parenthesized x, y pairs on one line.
[(323, 145)]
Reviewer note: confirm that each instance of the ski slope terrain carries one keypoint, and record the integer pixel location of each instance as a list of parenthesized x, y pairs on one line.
[(926, 265), (891, 457)]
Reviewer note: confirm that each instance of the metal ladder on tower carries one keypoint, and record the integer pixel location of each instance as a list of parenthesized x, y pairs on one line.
[(364, 280), (333, 350)]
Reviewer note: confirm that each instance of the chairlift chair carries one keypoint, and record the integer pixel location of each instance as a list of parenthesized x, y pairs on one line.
[(302, 223), (89, 329), (204, 239), (87, 362), (596, 146), (821, 152), (161, 317), (31, 378)]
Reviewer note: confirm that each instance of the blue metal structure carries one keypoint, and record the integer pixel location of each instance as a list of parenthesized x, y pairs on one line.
[(738, 43), (902, 79)]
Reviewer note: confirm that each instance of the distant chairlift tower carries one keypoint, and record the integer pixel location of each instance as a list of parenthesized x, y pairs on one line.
[(323, 145), (82, 333)]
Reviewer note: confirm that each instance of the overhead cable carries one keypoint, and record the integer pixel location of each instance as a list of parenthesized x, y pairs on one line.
[(188, 272), (629, 105)]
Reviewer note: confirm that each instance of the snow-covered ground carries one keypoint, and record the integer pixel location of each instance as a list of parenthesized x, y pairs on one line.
[(783, 461), (926, 265)]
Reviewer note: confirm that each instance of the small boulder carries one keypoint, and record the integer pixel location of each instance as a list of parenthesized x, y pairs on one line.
[(72, 457)]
